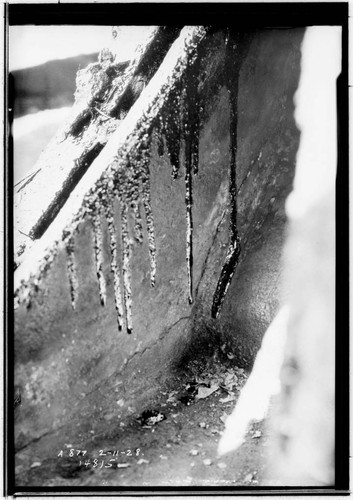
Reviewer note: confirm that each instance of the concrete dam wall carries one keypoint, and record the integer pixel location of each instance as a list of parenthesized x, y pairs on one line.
[(80, 377)]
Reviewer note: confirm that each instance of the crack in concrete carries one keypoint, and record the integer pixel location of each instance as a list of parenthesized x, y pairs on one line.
[(160, 338), (204, 267), (128, 361), (252, 165), (224, 213)]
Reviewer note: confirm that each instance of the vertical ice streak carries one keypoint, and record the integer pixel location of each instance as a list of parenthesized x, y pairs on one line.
[(189, 222), (232, 257), (159, 133), (126, 264), (188, 195), (98, 252), (160, 142), (172, 127), (146, 195), (191, 138), (129, 187), (71, 271), (194, 114), (135, 206), (114, 263)]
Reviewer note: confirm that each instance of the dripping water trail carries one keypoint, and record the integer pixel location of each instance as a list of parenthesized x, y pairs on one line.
[(233, 252), (126, 263), (191, 139), (71, 271), (114, 263), (146, 196), (98, 252)]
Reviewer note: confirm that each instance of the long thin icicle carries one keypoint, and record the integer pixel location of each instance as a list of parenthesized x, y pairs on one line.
[(98, 252), (191, 138), (135, 205), (126, 264), (194, 114), (129, 189), (159, 129), (146, 195), (189, 221), (114, 263), (233, 252), (71, 271), (172, 128)]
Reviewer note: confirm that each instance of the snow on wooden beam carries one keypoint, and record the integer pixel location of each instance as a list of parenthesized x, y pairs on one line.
[(137, 124)]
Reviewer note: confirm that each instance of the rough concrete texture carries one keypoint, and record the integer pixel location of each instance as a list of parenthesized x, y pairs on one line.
[(76, 373), (268, 140)]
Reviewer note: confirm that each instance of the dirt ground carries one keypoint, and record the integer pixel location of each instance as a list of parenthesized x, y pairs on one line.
[(172, 443)]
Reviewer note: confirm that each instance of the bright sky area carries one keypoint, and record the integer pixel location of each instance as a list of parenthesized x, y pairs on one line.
[(32, 45)]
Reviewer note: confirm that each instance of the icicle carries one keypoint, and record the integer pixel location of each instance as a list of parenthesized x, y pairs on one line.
[(126, 264), (71, 271), (138, 220), (172, 127), (146, 195), (160, 140), (98, 251), (129, 182), (114, 263), (158, 129), (135, 200), (188, 202), (232, 257), (191, 138), (194, 114), (122, 184), (189, 222)]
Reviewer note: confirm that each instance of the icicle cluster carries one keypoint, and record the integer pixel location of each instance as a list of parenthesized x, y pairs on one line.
[(179, 123), (170, 127), (131, 179), (127, 178), (127, 181)]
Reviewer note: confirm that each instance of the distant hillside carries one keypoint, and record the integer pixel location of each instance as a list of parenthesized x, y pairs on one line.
[(47, 86)]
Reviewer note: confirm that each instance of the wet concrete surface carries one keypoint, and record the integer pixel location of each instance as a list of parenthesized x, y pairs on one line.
[(78, 377)]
